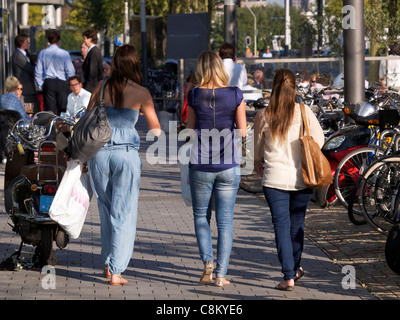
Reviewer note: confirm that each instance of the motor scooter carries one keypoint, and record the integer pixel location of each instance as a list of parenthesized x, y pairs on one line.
[(37, 154), (357, 133)]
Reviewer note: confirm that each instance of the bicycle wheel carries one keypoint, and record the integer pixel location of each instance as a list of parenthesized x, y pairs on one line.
[(350, 168), (378, 190), (354, 209)]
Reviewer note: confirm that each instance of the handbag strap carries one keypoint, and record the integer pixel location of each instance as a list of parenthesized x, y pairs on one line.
[(102, 91), (304, 123)]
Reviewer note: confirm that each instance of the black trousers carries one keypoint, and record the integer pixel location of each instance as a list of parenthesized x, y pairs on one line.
[(55, 94)]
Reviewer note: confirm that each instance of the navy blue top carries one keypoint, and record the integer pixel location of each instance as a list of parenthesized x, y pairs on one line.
[(215, 110)]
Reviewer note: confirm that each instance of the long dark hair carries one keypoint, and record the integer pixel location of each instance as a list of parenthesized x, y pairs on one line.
[(125, 66), (280, 109)]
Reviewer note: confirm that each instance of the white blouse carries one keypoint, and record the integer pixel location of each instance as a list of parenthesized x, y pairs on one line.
[(282, 160)]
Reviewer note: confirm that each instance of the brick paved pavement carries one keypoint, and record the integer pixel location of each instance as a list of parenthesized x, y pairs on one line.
[(165, 264), (359, 246)]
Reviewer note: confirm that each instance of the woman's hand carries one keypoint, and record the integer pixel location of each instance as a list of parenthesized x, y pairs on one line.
[(258, 167), (84, 168)]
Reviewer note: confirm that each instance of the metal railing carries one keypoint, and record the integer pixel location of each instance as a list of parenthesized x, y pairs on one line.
[(329, 66)]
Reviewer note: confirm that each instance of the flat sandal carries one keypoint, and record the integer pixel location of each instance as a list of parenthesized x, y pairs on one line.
[(206, 277)]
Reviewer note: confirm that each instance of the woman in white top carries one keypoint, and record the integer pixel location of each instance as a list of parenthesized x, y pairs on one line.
[(277, 132)]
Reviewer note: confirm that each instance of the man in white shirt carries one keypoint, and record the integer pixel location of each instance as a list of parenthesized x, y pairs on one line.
[(78, 98), (236, 72), (53, 68)]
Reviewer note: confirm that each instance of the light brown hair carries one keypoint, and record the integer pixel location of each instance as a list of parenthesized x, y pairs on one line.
[(280, 109)]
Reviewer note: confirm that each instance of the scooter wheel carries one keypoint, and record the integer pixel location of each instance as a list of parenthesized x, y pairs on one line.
[(62, 238), (44, 253)]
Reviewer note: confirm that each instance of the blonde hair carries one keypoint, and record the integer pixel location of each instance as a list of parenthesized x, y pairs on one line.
[(210, 69), (12, 84)]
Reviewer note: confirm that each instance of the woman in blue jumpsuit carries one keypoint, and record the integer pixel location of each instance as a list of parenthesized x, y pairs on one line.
[(115, 170)]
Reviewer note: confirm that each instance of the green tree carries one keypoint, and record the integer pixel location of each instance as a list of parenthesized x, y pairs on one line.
[(70, 39), (382, 26), (270, 23)]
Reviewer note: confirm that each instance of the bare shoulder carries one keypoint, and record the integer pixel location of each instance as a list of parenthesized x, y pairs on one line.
[(138, 89)]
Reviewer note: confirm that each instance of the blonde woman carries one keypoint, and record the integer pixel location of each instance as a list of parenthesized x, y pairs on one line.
[(215, 110), (276, 134), (10, 100)]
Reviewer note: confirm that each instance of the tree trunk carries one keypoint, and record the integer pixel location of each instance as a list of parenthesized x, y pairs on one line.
[(373, 75)]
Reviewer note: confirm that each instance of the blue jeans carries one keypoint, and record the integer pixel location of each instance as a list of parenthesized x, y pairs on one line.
[(224, 184), (115, 177), (288, 209)]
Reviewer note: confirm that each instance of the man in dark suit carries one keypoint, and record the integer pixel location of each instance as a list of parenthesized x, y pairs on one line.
[(24, 70), (92, 67)]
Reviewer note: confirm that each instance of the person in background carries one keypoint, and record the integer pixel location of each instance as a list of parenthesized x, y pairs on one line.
[(24, 69), (19, 94), (277, 157), (214, 168), (79, 62), (10, 100), (249, 54), (92, 68), (267, 54), (260, 81), (115, 169), (251, 96), (391, 76), (189, 85), (78, 98), (237, 73), (53, 68)]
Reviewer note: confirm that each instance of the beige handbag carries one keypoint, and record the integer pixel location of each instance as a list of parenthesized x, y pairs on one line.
[(316, 169)]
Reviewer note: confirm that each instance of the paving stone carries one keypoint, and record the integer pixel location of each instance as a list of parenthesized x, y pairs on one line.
[(166, 265)]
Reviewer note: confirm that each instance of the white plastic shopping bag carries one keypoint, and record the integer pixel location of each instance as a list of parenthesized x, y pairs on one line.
[(185, 185), (71, 201)]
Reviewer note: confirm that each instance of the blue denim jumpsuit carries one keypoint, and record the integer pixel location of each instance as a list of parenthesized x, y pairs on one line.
[(115, 177)]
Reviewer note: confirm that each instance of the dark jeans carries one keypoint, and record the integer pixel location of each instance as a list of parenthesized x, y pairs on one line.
[(55, 94), (288, 210)]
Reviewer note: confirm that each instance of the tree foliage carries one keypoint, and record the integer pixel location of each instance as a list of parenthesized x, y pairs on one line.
[(381, 19), (270, 23), (106, 16), (101, 15)]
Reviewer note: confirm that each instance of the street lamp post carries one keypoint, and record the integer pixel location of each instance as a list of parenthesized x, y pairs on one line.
[(126, 24), (255, 30), (144, 42), (229, 21), (288, 39), (354, 56)]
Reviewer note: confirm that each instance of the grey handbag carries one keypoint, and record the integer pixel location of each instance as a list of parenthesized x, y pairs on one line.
[(91, 132)]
